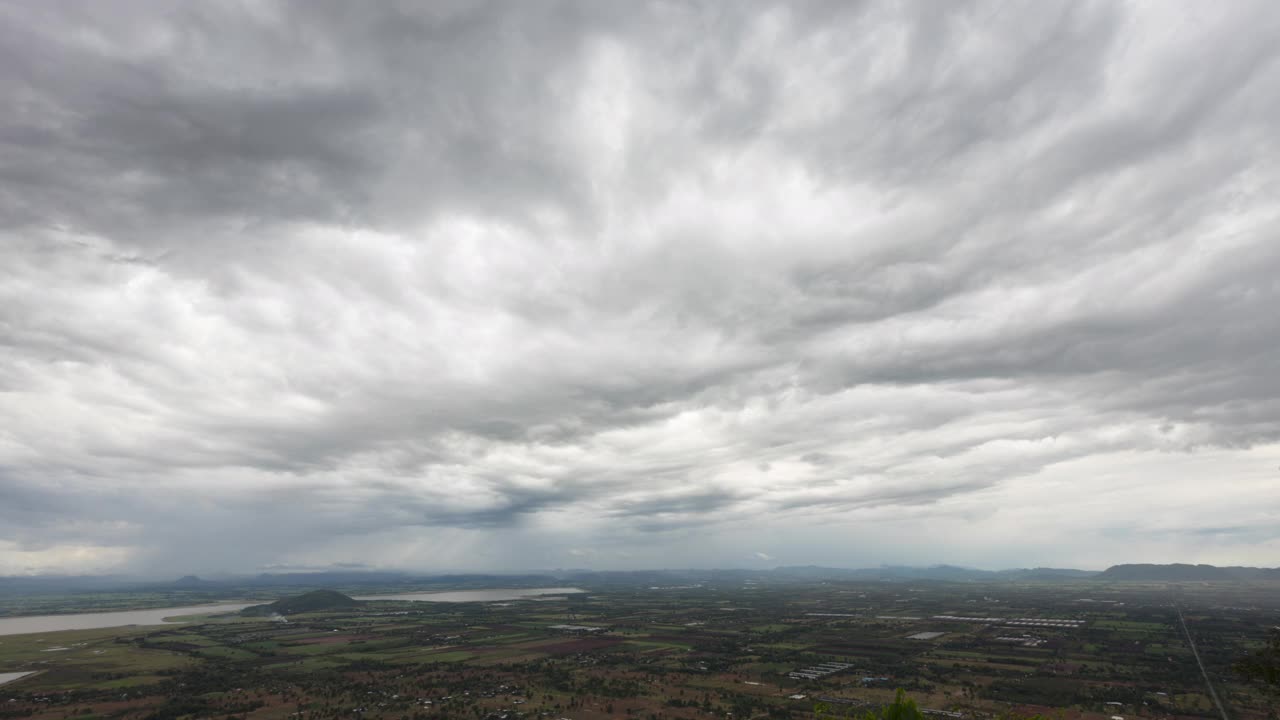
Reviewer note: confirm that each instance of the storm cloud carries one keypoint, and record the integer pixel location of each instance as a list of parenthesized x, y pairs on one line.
[(626, 284)]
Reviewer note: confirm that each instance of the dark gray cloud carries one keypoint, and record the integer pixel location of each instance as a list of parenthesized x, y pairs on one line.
[(504, 285)]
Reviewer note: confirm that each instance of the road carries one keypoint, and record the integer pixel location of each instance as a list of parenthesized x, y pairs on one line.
[(1196, 653)]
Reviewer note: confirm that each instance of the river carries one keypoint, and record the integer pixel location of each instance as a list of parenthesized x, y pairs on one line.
[(90, 621), (156, 616), (8, 677)]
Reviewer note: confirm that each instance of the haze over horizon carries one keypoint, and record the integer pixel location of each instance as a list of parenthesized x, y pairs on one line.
[(502, 286)]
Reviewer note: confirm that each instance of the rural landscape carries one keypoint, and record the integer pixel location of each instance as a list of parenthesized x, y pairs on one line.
[(639, 359), (713, 644)]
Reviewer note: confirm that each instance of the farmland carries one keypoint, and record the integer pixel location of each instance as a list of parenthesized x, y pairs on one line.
[(1089, 650)]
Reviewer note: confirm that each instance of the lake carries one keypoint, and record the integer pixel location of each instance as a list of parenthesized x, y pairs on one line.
[(90, 621), (476, 595)]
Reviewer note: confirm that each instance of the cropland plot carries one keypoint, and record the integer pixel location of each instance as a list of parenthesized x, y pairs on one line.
[(1133, 626), (504, 639), (502, 659), (225, 653), (326, 639), (301, 649), (647, 645), (308, 665), (448, 656), (190, 639), (581, 645)]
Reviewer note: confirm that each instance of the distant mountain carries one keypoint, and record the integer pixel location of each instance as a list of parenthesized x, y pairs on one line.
[(314, 601), (945, 573), (1047, 574), (193, 587), (322, 578), (1183, 572), (940, 573), (190, 581)]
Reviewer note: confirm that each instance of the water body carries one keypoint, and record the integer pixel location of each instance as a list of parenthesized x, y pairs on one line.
[(156, 616), (476, 595), (10, 677), (90, 621)]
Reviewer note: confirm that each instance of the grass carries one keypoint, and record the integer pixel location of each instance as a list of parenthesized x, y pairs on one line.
[(140, 667), (89, 653)]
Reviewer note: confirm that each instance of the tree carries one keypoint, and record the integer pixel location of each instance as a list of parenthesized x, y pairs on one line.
[(1263, 665), (902, 708)]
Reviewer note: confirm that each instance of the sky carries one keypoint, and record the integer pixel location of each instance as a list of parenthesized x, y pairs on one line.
[(502, 286)]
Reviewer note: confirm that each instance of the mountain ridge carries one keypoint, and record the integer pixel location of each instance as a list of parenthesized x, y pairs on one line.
[(197, 587), (1173, 572)]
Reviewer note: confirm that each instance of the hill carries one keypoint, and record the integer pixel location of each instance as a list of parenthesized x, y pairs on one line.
[(314, 601), (190, 581), (1183, 572)]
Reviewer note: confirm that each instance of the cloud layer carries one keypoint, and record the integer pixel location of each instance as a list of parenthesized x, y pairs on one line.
[(523, 285)]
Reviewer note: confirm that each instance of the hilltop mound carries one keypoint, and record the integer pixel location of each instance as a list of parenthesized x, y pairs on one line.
[(314, 601)]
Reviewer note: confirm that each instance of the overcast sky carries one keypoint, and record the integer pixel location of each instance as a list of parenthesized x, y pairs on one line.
[(500, 286)]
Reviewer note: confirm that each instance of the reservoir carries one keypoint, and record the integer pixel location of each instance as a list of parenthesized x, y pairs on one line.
[(90, 621), (475, 595)]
